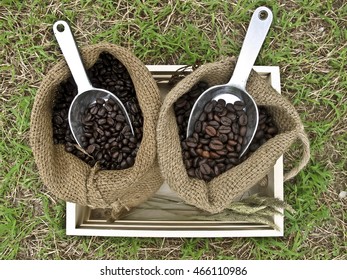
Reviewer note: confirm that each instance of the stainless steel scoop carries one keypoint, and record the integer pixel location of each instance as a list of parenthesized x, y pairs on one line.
[(235, 89), (86, 93)]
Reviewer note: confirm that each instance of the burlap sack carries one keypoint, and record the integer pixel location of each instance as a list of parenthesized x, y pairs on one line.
[(217, 194), (71, 179)]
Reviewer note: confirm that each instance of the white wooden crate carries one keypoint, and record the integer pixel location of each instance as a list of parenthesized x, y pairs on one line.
[(83, 221)]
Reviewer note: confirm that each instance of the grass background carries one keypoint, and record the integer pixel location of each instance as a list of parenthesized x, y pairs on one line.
[(307, 40)]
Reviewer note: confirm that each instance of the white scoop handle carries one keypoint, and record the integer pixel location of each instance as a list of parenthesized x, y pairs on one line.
[(254, 39), (67, 44)]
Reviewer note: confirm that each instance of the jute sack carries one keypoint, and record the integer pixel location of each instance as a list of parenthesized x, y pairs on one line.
[(219, 193), (71, 179)]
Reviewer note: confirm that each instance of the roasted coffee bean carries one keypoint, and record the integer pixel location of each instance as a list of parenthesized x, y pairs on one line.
[(198, 127), (102, 121), (205, 169), (223, 138), (272, 130), (214, 124), (102, 112), (243, 130), (120, 118), (216, 145), (203, 116), (232, 142), (230, 107), (259, 134), (58, 120), (218, 108), (226, 121), (235, 128), (100, 101), (108, 107), (191, 142), (224, 129), (206, 154), (239, 105), (243, 119), (232, 116), (209, 107), (217, 171), (90, 149), (222, 152), (210, 130), (216, 118)]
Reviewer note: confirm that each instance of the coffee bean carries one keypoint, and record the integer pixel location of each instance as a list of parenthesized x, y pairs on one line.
[(272, 130), (232, 142), (235, 128), (230, 107), (223, 138), (214, 124), (210, 130), (203, 116), (218, 108), (58, 120), (196, 136), (226, 121), (262, 118), (243, 120), (205, 169), (253, 147), (101, 112), (259, 134), (216, 145), (205, 154), (198, 126), (102, 121), (232, 116), (217, 118), (120, 118), (108, 107), (224, 129), (222, 152), (100, 100), (214, 155), (243, 130), (90, 149), (230, 148), (209, 106), (239, 105), (191, 172), (191, 142), (217, 171)]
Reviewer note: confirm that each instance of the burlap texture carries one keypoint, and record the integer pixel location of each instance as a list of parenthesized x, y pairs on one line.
[(217, 194), (71, 179)]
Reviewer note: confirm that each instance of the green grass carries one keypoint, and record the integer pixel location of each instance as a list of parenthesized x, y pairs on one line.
[(307, 40)]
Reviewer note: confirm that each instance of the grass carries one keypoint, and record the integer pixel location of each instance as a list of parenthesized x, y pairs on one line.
[(307, 40)]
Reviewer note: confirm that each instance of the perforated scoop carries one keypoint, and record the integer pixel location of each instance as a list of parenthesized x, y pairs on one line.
[(235, 89), (86, 93)]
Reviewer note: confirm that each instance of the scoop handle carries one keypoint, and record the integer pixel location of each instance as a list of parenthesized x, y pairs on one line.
[(255, 37), (67, 44)]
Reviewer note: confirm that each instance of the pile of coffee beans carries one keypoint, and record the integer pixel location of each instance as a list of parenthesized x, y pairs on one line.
[(107, 138), (219, 132)]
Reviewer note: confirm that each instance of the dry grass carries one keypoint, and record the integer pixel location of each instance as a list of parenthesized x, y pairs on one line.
[(307, 42)]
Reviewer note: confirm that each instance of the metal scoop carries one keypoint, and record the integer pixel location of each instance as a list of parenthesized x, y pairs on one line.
[(86, 93), (235, 89)]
